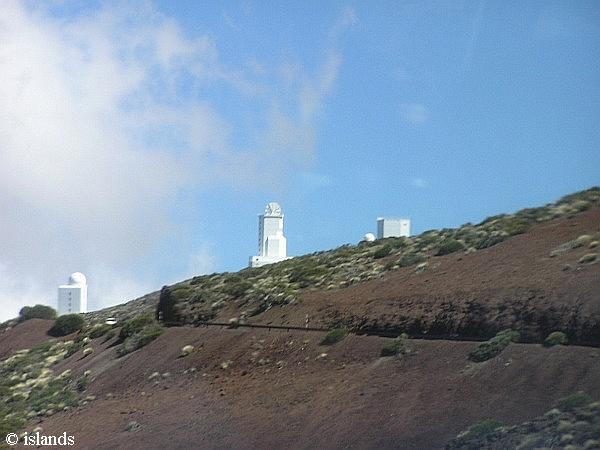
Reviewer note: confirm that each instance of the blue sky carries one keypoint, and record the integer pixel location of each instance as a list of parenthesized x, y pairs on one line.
[(179, 121)]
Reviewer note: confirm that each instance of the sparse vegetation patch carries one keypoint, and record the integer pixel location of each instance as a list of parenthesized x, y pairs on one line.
[(334, 336), (556, 338), (491, 348), (67, 324)]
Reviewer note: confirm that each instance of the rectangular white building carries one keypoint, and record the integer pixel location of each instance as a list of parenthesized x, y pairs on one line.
[(388, 227), (72, 297)]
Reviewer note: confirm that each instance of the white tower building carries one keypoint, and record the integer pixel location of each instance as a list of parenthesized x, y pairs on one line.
[(387, 227), (272, 244), (72, 297)]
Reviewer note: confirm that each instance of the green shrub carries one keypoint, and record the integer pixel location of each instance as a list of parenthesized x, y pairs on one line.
[(181, 292), (382, 252), (488, 349), (67, 324), (135, 325), (449, 246), (136, 341), (411, 258), (516, 226), (99, 330), (489, 240), (237, 288), (589, 258), (333, 336), (556, 338), (395, 347), (37, 312), (573, 401), (582, 241), (481, 429)]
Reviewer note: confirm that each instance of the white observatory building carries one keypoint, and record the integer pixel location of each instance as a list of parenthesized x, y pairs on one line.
[(387, 227), (72, 297), (272, 244)]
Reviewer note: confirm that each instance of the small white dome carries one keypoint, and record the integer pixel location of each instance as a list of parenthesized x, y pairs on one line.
[(77, 278), (369, 237)]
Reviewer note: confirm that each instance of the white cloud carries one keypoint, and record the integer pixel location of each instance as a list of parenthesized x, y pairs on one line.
[(414, 113), (97, 137)]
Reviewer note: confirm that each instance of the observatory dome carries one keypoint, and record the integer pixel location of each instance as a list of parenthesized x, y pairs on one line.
[(369, 237), (77, 278)]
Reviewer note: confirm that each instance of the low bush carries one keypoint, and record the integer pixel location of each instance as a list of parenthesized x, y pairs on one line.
[(99, 330), (382, 252), (582, 241), (489, 240), (516, 226), (138, 340), (37, 312), (448, 246), (488, 349), (135, 325), (572, 401), (589, 258), (333, 336), (67, 324), (396, 346), (237, 288), (411, 258), (481, 429), (556, 338)]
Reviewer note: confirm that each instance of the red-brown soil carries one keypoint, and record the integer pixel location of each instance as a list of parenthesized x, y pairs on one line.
[(26, 335), (294, 399)]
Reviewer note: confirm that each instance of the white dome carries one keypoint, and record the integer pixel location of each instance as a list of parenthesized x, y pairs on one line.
[(369, 237), (77, 278)]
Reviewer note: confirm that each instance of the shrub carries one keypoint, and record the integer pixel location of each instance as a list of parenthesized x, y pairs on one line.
[(88, 351), (37, 312), (449, 246), (481, 429), (333, 336), (411, 258), (67, 324), (556, 338), (382, 252), (589, 258), (489, 241), (573, 401), (516, 226), (140, 339), (135, 325), (238, 288), (99, 330), (395, 347), (488, 349), (582, 241), (186, 350)]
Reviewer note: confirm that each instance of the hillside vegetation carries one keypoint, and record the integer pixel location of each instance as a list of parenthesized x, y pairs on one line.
[(253, 291)]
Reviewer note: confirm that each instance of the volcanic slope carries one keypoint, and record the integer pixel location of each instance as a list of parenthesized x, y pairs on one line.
[(533, 271), (248, 388)]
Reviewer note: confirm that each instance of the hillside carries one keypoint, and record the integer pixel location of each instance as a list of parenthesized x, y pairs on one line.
[(511, 271), (238, 387)]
